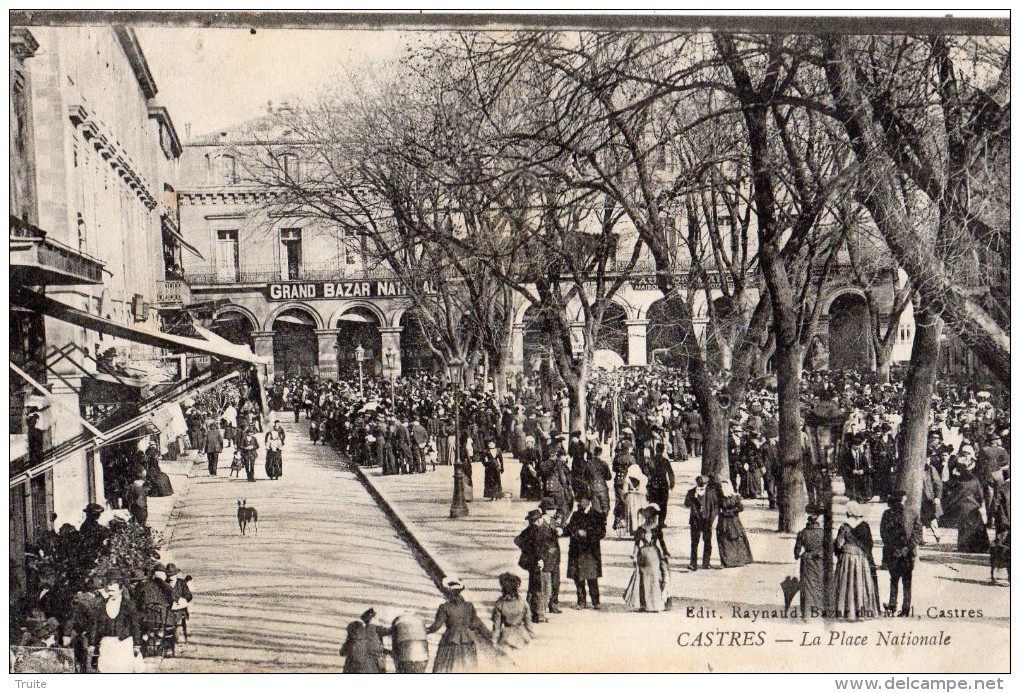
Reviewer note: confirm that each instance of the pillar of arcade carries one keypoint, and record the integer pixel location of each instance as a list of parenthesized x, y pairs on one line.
[(327, 340), (264, 349), (637, 342), (517, 348), (390, 355)]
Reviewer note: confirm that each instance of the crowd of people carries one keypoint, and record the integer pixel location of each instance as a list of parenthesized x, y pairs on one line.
[(639, 422)]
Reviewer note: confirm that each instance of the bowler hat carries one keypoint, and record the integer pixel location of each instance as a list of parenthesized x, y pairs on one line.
[(171, 570), (547, 504), (93, 509), (533, 515)]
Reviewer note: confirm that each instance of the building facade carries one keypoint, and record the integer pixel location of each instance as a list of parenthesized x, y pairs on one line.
[(305, 295), (94, 160)]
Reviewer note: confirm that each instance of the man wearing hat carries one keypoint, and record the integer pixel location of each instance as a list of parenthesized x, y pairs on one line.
[(212, 445), (537, 543), (899, 549), (856, 468), (703, 500), (137, 500), (584, 555), (91, 533)]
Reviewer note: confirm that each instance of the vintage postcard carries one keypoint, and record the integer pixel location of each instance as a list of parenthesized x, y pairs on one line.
[(715, 310)]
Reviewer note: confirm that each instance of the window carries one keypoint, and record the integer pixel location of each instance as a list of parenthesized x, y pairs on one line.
[(290, 254), (227, 267), (228, 169), (289, 164)]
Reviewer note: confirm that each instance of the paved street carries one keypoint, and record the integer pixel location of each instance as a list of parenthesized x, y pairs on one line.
[(481, 546), (279, 601)]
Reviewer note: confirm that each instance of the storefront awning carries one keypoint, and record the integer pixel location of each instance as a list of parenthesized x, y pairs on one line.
[(180, 239), (93, 438), (32, 300)]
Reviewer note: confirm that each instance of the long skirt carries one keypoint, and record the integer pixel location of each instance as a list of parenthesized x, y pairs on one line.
[(118, 657), (972, 537), (493, 483), (633, 503), (855, 595), (645, 591), (812, 587), (452, 657), (274, 463), (734, 551)]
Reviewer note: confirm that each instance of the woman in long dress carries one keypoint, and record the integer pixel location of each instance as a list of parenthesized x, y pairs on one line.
[(734, 550), (634, 496), (361, 653), (810, 550), (457, 649), (511, 617), (855, 596), (492, 460), (115, 631), (965, 503), (651, 566)]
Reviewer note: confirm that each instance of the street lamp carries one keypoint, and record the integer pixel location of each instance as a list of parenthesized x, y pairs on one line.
[(821, 423), (359, 356), (391, 364), (458, 506)]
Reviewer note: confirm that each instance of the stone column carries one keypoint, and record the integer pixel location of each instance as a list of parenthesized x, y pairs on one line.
[(390, 345), (327, 353), (517, 349), (264, 348), (637, 342)]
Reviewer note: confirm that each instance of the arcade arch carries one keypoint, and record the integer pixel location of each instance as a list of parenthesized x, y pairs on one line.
[(235, 325), (295, 343), (359, 326), (850, 344)]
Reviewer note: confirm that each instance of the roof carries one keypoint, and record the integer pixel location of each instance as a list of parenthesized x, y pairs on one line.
[(267, 127)]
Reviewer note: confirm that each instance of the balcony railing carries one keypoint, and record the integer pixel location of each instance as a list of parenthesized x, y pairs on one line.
[(268, 274), (172, 293), (37, 260)]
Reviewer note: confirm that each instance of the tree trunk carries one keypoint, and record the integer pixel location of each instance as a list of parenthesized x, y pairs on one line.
[(792, 492), (578, 394), (714, 451), (913, 435), (883, 361)]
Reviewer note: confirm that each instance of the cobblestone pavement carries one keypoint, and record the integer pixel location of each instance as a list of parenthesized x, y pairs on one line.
[(279, 600)]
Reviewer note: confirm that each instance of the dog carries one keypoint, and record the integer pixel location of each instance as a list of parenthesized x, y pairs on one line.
[(245, 515)]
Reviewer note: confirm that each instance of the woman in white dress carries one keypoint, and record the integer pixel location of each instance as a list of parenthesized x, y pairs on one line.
[(634, 496)]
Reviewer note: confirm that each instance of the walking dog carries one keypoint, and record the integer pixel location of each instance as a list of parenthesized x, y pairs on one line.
[(246, 515)]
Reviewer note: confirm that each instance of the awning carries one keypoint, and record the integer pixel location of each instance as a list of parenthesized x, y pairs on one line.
[(32, 300), (170, 231), (93, 438)]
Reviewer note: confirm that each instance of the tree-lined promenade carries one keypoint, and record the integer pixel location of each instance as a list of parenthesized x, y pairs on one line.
[(489, 170)]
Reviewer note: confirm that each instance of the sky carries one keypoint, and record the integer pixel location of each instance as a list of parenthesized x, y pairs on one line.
[(214, 78)]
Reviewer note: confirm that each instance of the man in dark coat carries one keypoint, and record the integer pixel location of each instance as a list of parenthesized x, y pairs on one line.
[(590, 480), (584, 555), (556, 482), (899, 549), (212, 446), (91, 534), (138, 501), (703, 500), (534, 543), (660, 481)]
